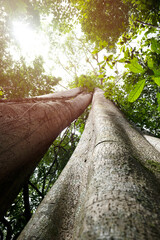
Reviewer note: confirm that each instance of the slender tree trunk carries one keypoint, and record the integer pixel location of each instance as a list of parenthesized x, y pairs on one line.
[(28, 127), (106, 191), (27, 210)]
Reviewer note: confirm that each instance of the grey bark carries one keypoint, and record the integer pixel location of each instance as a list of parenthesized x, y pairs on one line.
[(28, 127), (154, 141), (107, 190)]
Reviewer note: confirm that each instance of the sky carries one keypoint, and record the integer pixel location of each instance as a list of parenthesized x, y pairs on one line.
[(57, 58), (34, 43)]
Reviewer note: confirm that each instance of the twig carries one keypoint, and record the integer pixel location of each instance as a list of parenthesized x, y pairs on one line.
[(35, 188), (147, 24)]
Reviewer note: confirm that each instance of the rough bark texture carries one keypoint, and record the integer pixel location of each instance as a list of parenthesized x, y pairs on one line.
[(27, 128), (106, 191)]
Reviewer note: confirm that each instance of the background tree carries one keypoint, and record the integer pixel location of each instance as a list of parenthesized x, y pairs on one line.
[(27, 123), (103, 20), (21, 80), (46, 173)]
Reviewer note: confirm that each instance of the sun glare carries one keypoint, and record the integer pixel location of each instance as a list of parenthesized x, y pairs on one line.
[(37, 43), (24, 35), (32, 43)]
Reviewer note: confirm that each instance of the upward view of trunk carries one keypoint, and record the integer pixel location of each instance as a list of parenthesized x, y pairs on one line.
[(28, 127), (107, 190)]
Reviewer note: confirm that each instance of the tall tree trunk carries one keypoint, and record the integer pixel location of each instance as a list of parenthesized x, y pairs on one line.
[(106, 190), (28, 127)]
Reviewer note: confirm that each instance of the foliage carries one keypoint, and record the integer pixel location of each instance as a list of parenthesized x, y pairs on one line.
[(103, 20), (62, 12), (77, 52), (145, 12), (144, 18), (144, 112), (143, 63), (86, 81), (22, 9), (21, 80), (17, 79), (135, 93), (14, 221), (140, 60), (136, 90), (134, 66)]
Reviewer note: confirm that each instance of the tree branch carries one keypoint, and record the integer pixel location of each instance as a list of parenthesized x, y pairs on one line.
[(26, 202), (147, 24), (35, 188)]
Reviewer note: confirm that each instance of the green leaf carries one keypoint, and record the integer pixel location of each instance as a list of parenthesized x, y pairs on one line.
[(134, 66), (122, 60), (156, 72), (100, 63), (103, 44), (135, 93), (101, 76), (150, 63), (156, 80), (155, 45), (95, 51), (158, 100), (158, 97)]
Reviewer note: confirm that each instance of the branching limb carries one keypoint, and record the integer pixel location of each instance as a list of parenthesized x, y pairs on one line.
[(27, 210), (35, 188), (147, 24)]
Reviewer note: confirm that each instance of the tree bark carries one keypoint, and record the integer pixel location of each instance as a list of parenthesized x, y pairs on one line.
[(28, 127), (106, 191), (154, 141)]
